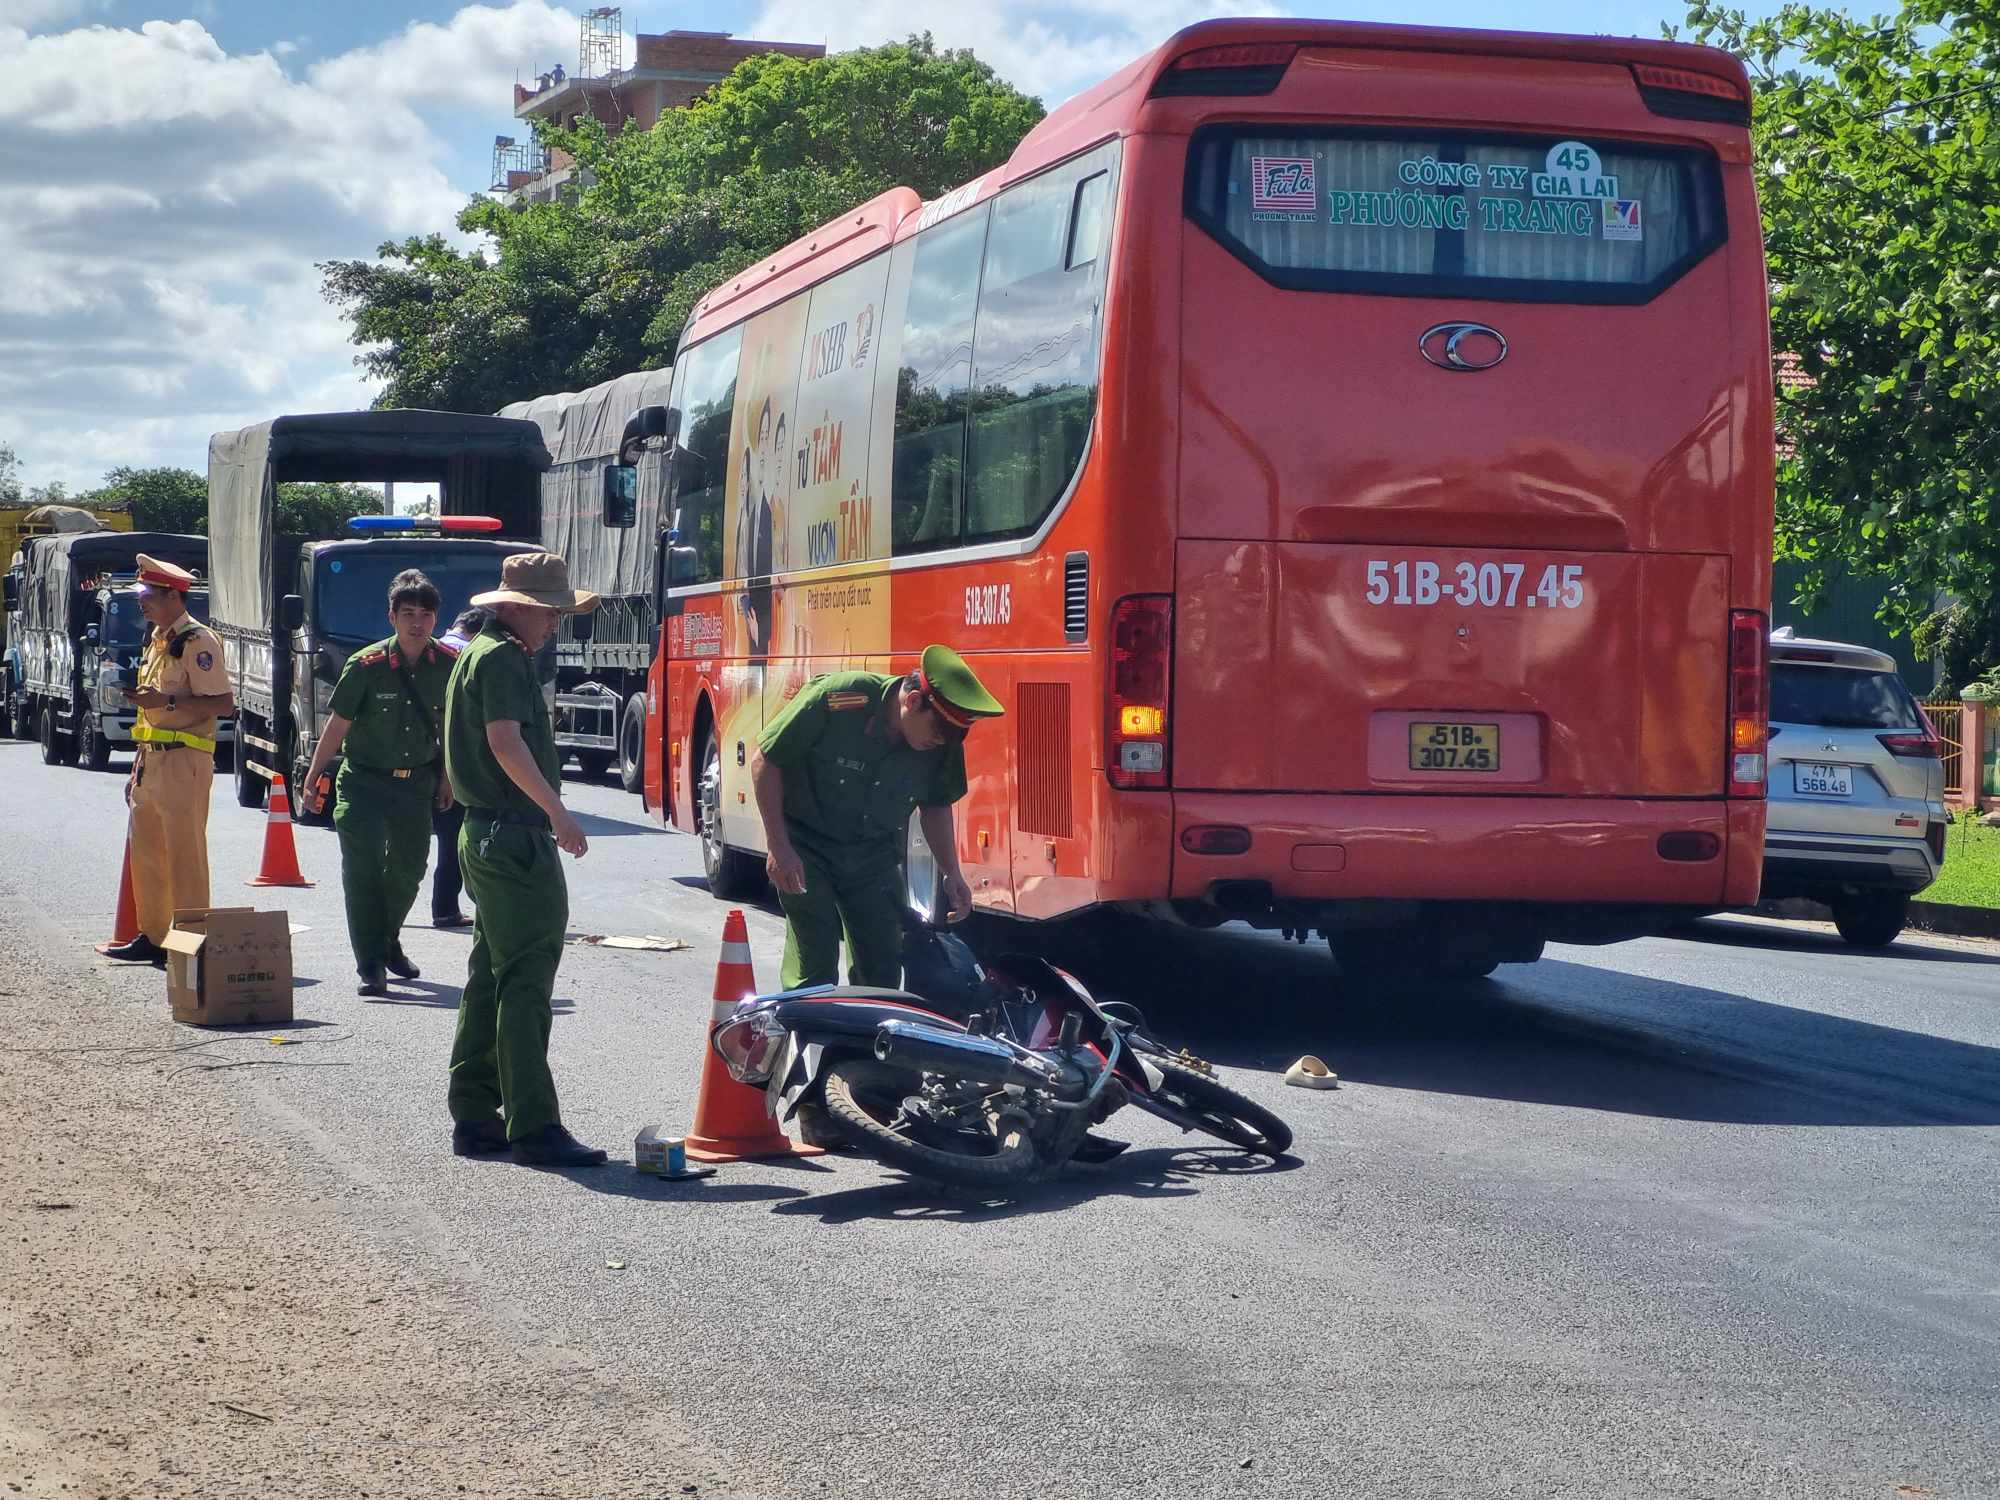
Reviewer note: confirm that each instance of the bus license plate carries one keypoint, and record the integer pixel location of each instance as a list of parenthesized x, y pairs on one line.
[(1454, 747), (1823, 781)]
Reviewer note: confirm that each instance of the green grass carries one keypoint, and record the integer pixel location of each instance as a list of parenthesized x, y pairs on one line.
[(1971, 866)]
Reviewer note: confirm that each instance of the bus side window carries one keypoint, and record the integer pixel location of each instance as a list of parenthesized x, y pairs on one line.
[(933, 381), (1034, 372), (701, 456)]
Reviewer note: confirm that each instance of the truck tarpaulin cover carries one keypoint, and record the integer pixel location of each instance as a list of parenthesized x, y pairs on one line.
[(58, 566), (582, 429), (482, 465)]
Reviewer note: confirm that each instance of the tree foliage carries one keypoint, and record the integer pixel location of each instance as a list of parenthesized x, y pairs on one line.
[(601, 282), (1878, 162), (167, 499), (10, 475)]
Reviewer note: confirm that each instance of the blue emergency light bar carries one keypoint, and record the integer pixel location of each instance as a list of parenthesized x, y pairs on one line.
[(424, 523)]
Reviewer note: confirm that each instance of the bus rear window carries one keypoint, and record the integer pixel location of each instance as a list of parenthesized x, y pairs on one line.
[(1457, 214)]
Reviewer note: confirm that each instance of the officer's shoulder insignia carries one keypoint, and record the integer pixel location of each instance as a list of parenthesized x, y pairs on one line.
[(205, 660), (373, 658), (840, 701)]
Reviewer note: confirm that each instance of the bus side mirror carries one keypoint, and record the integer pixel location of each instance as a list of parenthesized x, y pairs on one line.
[(645, 425), (680, 566), (12, 588), (291, 613), (582, 625), (621, 495)]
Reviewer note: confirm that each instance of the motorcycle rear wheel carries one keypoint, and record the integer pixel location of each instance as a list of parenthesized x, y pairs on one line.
[(1220, 1111), (864, 1096)]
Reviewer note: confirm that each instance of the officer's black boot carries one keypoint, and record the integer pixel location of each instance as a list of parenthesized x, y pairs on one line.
[(552, 1146), (140, 950), (399, 964), (373, 981)]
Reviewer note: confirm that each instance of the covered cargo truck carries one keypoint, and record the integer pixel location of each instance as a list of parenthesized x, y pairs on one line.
[(290, 611), (19, 524), (61, 644), (601, 679)]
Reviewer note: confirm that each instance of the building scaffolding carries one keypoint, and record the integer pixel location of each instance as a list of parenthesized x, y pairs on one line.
[(511, 157), (601, 47)]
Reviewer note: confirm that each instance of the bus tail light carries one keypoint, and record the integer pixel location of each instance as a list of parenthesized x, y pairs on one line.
[(1141, 677), (1749, 701), (1238, 70), (1688, 94)]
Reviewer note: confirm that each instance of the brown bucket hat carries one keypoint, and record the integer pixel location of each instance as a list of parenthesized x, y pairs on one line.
[(538, 578)]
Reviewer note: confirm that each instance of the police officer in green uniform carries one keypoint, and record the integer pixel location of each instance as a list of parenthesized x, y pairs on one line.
[(387, 717), (837, 774), (500, 751)]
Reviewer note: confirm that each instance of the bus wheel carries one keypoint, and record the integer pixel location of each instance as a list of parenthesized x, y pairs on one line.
[(732, 874), (632, 744)]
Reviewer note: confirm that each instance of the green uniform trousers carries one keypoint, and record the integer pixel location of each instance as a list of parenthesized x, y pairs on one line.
[(500, 1057), (385, 844), (868, 905)]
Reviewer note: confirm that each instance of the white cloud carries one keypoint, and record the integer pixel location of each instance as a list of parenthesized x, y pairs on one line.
[(167, 202), (24, 15), (1050, 50), (471, 61)]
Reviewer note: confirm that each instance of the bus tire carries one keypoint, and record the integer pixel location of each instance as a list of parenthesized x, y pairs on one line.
[(632, 744), (732, 874)]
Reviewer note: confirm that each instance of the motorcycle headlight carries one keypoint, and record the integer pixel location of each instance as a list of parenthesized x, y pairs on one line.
[(748, 1045)]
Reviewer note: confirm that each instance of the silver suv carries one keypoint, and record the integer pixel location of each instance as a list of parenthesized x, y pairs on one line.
[(1857, 816)]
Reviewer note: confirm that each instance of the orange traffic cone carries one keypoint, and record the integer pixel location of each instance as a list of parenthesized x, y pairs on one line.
[(126, 926), (730, 1120), (281, 856)]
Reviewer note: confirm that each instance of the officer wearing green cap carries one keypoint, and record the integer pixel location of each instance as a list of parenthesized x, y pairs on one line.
[(386, 720), (837, 774)]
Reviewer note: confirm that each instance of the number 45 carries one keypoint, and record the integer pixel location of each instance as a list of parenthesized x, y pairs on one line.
[(1561, 586)]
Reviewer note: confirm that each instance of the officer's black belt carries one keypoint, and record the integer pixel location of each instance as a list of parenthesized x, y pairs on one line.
[(401, 773), (520, 819)]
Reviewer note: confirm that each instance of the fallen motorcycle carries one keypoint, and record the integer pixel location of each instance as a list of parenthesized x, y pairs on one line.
[(990, 1080)]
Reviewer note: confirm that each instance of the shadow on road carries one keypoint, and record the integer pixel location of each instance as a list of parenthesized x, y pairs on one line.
[(1154, 1172), (596, 826), (619, 1179), (1566, 1034), (1781, 939), (764, 901)]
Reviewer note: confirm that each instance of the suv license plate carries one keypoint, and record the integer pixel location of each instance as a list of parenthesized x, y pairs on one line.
[(1455, 747), (1823, 781)]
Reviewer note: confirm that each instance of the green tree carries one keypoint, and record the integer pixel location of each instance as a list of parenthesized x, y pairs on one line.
[(1878, 165), (161, 499), (10, 475), (600, 283), (320, 511)]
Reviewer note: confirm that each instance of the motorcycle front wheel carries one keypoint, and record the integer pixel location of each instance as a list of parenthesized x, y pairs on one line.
[(1195, 1101), (865, 1098)]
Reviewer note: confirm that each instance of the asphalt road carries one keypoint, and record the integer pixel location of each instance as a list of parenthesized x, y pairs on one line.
[(1705, 1216)]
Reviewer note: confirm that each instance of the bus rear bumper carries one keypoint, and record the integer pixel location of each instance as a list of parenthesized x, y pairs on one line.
[(1307, 849)]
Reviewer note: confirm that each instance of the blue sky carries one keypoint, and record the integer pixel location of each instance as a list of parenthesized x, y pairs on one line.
[(173, 171)]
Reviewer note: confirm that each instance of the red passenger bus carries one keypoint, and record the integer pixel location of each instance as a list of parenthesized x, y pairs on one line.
[(1346, 450)]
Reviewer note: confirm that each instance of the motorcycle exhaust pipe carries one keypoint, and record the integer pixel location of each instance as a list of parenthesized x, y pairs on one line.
[(911, 1044)]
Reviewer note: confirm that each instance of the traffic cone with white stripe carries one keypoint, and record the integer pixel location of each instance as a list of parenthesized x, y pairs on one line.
[(125, 926), (281, 855), (730, 1120)]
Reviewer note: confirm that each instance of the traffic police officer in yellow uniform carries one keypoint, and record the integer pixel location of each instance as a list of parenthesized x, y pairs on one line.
[(837, 774), (387, 715), (183, 689)]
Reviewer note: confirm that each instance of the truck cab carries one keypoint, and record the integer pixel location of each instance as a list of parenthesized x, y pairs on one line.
[(110, 664)]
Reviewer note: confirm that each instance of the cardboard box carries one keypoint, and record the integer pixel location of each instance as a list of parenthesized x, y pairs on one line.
[(229, 966)]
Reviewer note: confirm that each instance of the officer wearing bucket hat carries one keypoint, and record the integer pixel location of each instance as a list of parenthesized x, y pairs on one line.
[(183, 689), (500, 753), (837, 774)]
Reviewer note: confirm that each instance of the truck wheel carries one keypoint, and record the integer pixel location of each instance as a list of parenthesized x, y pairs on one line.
[(249, 785), (632, 744), (732, 875), (58, 749), (99, 751), (593, 763)]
